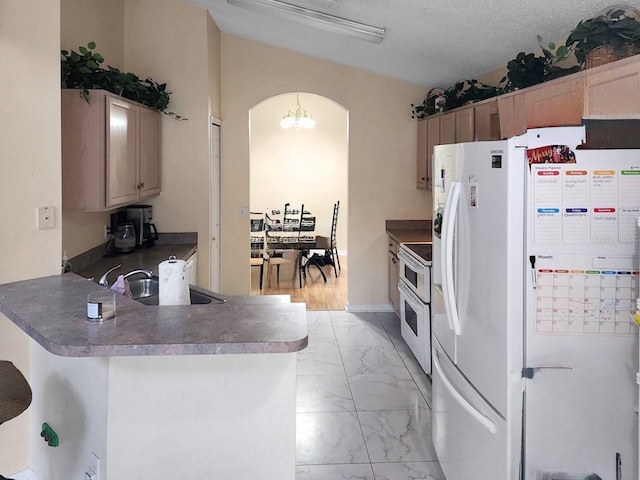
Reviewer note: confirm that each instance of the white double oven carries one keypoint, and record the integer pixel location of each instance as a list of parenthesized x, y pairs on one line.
[(415, 300)]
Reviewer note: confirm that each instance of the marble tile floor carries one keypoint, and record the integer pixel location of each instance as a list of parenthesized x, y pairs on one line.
[(363, 402)]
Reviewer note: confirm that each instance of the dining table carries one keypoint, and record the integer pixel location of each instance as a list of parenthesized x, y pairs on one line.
[(302, 244)]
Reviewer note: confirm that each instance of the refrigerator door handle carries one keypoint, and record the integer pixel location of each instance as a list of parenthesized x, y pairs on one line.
[(450, 213), (482, 419)]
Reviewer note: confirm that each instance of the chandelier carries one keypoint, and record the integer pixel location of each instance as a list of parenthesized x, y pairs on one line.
[(300, 119)]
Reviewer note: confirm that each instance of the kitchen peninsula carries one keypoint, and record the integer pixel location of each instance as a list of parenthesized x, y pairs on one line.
[(163, 392)]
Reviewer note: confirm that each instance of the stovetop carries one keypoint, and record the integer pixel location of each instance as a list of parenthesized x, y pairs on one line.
[(422, 250)]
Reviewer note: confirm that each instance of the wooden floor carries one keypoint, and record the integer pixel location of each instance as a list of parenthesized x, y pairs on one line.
[(314, 292)]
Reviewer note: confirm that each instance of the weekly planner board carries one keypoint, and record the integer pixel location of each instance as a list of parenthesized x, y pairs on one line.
[(580, 211)]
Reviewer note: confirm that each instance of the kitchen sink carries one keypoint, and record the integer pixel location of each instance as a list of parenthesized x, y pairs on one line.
[(146, 291)]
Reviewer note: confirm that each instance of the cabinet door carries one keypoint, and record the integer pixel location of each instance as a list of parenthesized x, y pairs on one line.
[(422, 156), (448, 129), (487, 124), (613, 90), (122, 152), (511, 111), (433, 139), (556, 103), (394, 277), (149, 169), (465, 131)]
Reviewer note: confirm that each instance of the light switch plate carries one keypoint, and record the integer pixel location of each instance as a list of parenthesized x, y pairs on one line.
[(46, 217)]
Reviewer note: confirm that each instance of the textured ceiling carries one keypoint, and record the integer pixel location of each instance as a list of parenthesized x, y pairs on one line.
[(428, 42)]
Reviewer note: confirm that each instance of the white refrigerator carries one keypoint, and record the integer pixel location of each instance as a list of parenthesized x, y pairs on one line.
[(534, 284)]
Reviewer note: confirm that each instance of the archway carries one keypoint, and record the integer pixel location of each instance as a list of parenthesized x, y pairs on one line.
[(307, 167)]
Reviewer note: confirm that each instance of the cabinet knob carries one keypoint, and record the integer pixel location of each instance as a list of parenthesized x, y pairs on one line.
[(142, 185)]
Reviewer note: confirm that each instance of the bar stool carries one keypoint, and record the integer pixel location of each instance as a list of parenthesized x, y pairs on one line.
[(15, 393)]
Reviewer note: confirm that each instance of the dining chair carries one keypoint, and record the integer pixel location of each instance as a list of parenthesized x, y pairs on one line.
[(277, 255), (257, 243), (329, 245)]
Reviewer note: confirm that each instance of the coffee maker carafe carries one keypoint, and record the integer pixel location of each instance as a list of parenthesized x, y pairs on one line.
[(142, 217)]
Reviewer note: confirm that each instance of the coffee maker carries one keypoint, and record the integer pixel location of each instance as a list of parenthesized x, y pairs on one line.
[(142, 216)]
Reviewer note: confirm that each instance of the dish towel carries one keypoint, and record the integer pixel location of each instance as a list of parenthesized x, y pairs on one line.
[(122, 286)]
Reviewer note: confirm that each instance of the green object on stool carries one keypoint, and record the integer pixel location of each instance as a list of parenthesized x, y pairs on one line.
[(49, 435)]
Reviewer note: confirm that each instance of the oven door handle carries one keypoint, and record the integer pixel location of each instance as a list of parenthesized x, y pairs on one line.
[(448, 289)]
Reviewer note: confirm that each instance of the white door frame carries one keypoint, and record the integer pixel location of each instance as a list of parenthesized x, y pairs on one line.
[(215, 199)]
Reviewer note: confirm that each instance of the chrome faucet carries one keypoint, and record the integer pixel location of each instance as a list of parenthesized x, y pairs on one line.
[(103, 279), (148, 273)]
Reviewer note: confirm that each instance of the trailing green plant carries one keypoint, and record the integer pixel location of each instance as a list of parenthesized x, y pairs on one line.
[(82, 70), (429, 105), (614, 29), (524, 71), (527, 69), (466, 91)]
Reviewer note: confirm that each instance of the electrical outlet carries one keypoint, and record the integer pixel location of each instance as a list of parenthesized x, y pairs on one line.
[(106, 231), (46, 217)]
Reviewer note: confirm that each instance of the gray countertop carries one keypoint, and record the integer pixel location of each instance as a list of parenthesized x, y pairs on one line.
[(403, 231), (52, 311), (144, 258)]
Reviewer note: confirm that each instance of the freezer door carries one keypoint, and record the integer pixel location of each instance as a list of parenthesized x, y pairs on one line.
[(489, 285), (471, 440)]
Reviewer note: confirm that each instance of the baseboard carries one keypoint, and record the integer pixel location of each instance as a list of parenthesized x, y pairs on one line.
[(24, 475), (385, 307)]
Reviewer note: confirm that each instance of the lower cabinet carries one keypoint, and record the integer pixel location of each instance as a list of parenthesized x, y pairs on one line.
[(394, 276)]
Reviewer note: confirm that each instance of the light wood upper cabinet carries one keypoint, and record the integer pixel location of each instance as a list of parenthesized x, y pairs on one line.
[(612, 91), (122, 145), (486, 122), (433, 139), (464, 122), (512, 115), (149, 173), (110, 151), (447, 128), (428, 137), (556, 103), (422, 156)]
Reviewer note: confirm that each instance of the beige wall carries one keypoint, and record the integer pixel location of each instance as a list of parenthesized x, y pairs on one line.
[(174, 42), (213, 57), (382, 145), (168, 41), (297, 166), (30, 176), (81, 22), (96, 21)]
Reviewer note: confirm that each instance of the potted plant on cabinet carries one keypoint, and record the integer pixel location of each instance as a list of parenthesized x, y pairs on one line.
[(82, 70), (609, 36)]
